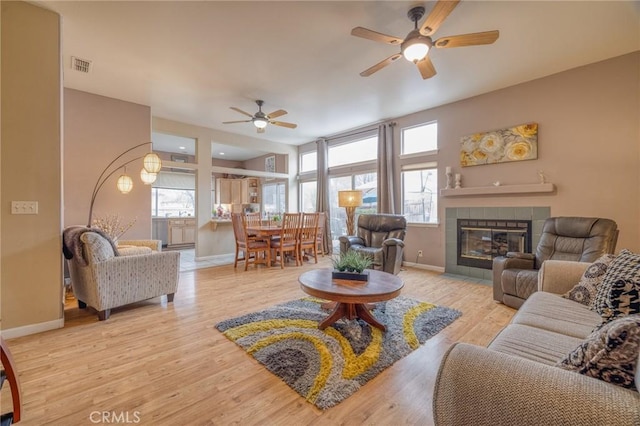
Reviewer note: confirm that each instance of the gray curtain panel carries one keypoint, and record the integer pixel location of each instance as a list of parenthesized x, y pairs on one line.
[(386, 202), (322, 200)]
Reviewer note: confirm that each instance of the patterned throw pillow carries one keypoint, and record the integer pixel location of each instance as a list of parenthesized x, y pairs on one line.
[(585, 291), (610, 353), (624, 299), (625, 266), (96, 247)]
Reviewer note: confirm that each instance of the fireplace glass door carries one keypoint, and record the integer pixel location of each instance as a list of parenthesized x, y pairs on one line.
[(480, 241)]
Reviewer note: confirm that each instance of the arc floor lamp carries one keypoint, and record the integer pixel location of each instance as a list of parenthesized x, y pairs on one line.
[(150, 168)]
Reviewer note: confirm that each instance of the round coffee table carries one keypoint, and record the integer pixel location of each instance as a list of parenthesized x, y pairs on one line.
[(351, 296)]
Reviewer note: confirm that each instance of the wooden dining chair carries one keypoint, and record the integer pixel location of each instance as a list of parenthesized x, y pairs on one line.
[(250, 247), (307, 238), (254, 220), (287, 241), (322, 223)]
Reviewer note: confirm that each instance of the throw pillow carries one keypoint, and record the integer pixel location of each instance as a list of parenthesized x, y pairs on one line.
[(96, 247), (625, 266), (585, 291), (610, 353), (624, 299)]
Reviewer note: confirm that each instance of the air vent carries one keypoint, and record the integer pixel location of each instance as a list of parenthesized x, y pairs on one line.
[(79, 64)]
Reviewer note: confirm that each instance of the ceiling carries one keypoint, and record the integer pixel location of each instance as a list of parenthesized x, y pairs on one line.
[(191, 61)]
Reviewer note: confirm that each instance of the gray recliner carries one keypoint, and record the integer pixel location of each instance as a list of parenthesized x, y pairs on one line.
[(381, 237), (578, 239)]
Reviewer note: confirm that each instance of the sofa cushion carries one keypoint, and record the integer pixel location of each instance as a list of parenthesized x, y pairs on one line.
[(585, 291), (610, 353), (96, 247), (553, 313), (533, 343), (134, 250), (626, 266)]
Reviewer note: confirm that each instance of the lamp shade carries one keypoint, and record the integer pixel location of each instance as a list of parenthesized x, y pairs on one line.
[(349, 198), (416, 46), (260, 123), (124, 184), (152, 163), (147, 178)]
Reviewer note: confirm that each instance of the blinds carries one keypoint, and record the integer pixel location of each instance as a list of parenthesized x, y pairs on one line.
[(174, 180)]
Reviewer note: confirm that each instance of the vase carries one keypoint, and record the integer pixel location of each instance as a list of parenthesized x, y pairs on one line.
[(352, 276)]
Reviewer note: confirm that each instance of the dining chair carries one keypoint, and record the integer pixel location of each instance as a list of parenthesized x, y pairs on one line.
[(288, 238), (250, 247), (254, 220), (322, 223), (307, 238)]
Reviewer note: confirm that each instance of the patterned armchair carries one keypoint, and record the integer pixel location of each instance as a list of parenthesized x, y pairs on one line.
[(104, 278), (381, 237)]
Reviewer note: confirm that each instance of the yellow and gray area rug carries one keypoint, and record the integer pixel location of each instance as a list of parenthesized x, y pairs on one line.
[(327, 366)]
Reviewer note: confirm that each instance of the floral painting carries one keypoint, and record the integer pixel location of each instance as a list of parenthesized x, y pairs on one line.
[(500, 146)]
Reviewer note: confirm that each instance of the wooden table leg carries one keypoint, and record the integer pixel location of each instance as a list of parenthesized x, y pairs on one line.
[(351, 311)]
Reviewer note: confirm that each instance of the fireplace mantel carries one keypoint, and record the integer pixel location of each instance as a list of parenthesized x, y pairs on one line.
[(498, 190)]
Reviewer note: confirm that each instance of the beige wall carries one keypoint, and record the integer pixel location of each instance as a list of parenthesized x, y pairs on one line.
[(588, 146), (31, 286), (96, 130)]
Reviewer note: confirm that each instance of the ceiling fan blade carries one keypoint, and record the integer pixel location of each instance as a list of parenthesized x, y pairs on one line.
[(472, 39), (277, 113), (260, 130), (426, 68), (283, 124), (438, 14), (380, 65), (239, 121), (242, 112), (375, 36)]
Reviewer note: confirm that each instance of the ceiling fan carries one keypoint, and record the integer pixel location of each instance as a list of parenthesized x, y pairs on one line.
[(260, 119), (416, 45)]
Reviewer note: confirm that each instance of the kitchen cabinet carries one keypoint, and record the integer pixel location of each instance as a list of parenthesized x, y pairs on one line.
[(238, 191), (182, 231), (223, 189)]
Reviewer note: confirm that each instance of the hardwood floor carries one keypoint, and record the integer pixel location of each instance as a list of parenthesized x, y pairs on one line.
[(166, 364)]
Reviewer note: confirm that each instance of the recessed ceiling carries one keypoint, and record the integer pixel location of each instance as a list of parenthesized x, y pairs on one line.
[(182, 145), (191, 61)]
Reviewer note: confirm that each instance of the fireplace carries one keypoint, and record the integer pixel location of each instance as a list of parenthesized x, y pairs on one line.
[(480, 240)]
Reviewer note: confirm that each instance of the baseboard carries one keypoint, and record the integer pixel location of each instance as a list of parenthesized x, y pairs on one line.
[(214, 257), (32, 329), (423, 266)]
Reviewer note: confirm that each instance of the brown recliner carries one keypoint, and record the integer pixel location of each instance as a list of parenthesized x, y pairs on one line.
[(381, 237), (578, 239)]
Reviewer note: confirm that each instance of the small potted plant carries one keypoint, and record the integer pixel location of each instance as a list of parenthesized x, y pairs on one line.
[(276, 219), (351, 266)]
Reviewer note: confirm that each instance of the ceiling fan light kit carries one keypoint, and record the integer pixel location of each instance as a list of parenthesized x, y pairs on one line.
[(418, 43)]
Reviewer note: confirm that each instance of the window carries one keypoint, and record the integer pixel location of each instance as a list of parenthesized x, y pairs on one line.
[(422, 138), (354, 152), (173, 194), (273, 198), (309, 162), (367, 182), (420, 194), (308, 196), (166, 202)]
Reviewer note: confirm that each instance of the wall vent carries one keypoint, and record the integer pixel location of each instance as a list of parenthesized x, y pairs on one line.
[(79, 64)]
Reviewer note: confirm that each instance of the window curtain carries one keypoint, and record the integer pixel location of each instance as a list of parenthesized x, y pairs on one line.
[(322, 200), (386, 202)]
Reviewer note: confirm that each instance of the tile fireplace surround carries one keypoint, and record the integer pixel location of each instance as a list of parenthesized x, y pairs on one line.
[(537, 216)]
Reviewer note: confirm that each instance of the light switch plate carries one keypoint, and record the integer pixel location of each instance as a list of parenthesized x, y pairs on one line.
[(24, 207)]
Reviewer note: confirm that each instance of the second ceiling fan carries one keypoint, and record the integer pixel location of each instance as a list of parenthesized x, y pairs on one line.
[(260, 119), (416, 45)]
